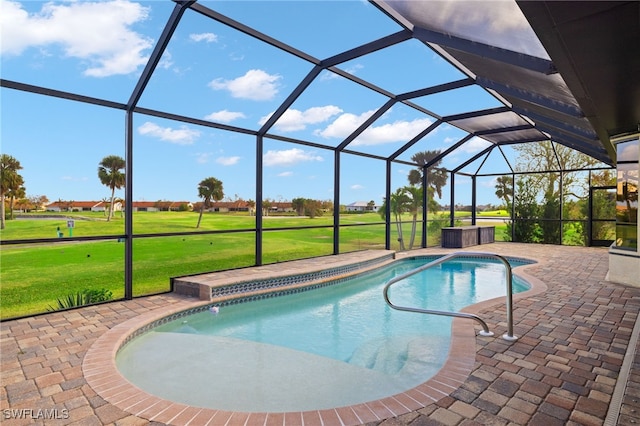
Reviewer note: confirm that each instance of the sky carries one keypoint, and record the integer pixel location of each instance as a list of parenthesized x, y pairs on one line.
[(212, 72)]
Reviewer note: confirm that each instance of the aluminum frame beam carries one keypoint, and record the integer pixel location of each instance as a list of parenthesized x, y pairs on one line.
[(506, 56)]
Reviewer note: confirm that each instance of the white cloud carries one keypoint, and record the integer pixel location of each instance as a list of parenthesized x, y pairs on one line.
[(98, 33), (203, 157), (206, 37), (398, 131), (489, 183), (357, 186), (228, 161), (255, 85), (293, 120), (285, 174), (165, 60), (353, 69), (181, 136), (289, 157), (224, 116), (344, 125), (474, 145), (328, 75)]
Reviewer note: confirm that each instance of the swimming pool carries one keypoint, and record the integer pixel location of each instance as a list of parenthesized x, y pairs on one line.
[(330, 347)]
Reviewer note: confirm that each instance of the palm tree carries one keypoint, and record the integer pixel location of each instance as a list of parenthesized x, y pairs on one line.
[(16, 191), (298, 205), (10, 181), (266, 206), (209, 189), (106, 203), (436, 178), (504, 189), (414, 205), (109, 172), (398, 204), (120, 201)]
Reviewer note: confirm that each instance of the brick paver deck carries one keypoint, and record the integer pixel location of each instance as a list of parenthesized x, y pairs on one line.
[(575, 362)]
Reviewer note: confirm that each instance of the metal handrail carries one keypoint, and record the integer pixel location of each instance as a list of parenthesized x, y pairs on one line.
[(485, 332)]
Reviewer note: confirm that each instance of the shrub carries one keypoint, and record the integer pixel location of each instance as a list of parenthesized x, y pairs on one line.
[(82, 298)]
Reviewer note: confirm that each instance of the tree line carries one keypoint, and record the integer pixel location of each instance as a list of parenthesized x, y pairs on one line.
[(111, 174), (409, 198), (533, 198), (540, 200), (536, 197), (11, 184)]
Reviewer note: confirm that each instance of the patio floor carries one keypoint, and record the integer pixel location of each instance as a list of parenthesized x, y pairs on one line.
[(575, 362)]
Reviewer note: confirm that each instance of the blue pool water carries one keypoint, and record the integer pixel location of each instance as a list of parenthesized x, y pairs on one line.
[(324, 348)]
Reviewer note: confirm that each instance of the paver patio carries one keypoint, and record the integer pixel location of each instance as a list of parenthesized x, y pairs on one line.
[(575, 362)]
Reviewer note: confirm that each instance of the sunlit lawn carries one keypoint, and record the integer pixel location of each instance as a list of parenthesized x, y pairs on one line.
[(33, 276)]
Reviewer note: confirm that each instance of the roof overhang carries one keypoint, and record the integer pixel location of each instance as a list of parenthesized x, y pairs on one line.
[(570, 68), (595, 45)]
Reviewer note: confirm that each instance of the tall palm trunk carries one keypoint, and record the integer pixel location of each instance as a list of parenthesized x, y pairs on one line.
[(113, 191), (200, 216), (400, 237), (12, 201), (413, 230), (2, 199)]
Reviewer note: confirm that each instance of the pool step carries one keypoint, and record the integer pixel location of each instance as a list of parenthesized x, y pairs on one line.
[(404, 354), (279, 278)]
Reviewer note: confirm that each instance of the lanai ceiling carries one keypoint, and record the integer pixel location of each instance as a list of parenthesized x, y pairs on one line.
[(568, 71)]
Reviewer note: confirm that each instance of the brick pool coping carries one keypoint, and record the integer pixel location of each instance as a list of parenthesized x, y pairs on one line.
[(101, 373)]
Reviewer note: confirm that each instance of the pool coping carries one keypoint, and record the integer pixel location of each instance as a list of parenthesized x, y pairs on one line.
[(101, 373)]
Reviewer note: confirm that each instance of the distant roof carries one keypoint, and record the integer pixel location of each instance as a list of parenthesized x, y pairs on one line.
[(76, 203)]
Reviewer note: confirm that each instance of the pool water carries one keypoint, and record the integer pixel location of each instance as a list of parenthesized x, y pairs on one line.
[(335, 346)]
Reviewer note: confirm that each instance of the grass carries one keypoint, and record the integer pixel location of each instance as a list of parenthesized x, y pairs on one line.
[(34, 276)]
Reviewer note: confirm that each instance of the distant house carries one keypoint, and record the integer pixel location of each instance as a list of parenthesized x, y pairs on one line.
[(102, 206), (281, 207), (161, 206), (144, 206), (230, 206), (177, 206), (173, 206), (82, 206), (361, 206)]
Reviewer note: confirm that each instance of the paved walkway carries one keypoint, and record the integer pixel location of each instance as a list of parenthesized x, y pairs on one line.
[(577, 347)]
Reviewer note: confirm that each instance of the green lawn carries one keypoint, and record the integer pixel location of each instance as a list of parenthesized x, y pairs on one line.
[(33, 276)]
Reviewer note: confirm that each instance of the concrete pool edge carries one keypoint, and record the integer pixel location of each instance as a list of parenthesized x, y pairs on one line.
[(100, 371)]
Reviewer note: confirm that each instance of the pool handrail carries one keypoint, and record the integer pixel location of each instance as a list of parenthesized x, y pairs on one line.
[(485, 332)]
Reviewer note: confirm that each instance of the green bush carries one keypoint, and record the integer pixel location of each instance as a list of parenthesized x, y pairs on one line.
[(82, 298)]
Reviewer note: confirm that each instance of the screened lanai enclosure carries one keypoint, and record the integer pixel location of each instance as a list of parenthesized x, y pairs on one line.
[(148, 140)]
